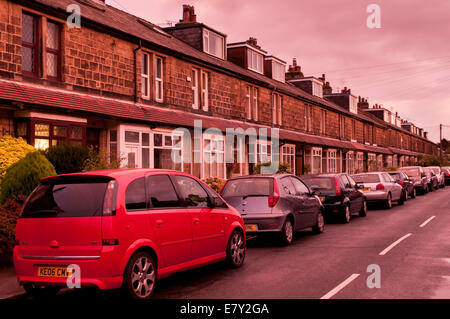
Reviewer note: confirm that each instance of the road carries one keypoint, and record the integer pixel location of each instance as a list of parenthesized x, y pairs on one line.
[(410, 244)]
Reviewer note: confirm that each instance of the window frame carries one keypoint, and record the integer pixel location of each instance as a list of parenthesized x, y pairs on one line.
[(159, 80), (57, 52), (204, 90), (146, 77), (259, 61), (149, 205), (207, 38), (33, 46)]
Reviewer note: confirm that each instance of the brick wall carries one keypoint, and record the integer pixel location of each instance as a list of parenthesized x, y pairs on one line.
[(10, 39)]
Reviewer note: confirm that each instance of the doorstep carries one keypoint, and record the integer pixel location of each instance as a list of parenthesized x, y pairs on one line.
[(9, 287)]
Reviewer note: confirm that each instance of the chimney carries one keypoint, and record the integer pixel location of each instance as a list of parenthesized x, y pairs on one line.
[(294, 71), (363, 103), (346, 90), (188, 14)]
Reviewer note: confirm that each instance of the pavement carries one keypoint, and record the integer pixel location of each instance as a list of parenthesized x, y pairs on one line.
[(410, 244), (9, 286)]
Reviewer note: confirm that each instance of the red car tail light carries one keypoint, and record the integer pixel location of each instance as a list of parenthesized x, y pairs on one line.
[(337, 187), (109, 202), (380, 187), (273, 200)]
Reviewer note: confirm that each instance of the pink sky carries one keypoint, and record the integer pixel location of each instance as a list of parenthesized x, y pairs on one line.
[(405, 65)]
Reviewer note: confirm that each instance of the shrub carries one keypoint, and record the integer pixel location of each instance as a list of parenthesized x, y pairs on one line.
[(67, 158), (22, 177), (9, 212), (98, 160), (432, 160), (215, 183), (283, 168), (11, 151)]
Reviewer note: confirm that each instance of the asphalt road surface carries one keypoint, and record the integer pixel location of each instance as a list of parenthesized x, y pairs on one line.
[(410, 244)]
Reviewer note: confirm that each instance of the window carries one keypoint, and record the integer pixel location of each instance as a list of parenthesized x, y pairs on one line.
[(135, 195), (252, 103), (278, 71), (249, 102), (255, 104), (353, 104), (317, 89), (372, 162), (161, 193), (353, 130), (254, 61), (113, 154), (277, 105), (316, 160), (159, 65), (213, 44), (53, 51), (300, 188), (332, 161), (213, 156), (195, 88), (204, 91), (30, 45), (342, 127), (163, 146), (288, 187), (191, 193), (288, 156), (360, 162), (308, 118), (350, 160), (46, 134), (323, 120), (145, 73)]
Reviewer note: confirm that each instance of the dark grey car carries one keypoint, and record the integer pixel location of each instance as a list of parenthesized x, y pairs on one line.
[(279, 203)]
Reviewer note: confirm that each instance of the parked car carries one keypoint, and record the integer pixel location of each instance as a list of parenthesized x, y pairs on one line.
[(439, 174), (418, 177), (446, 175), (432, 179), (339, 194), (279, 203), (379, 187), (404, 181), (123, 228)]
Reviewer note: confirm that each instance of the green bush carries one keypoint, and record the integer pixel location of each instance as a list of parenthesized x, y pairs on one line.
[(98, 160), (432, 160), (11, 151), (67, 158), (215, 183), (22, 177), (283, 168), (9, 213)]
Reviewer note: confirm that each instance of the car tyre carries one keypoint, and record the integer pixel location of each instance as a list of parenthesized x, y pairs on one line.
[(320, 225), (388, 202), (346, 215), (363, 211), (236, 249), (140, 276), (287, 233), (402, 199), (414, 193)]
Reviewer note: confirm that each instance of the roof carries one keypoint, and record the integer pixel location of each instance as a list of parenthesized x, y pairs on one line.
[(139, 28), (62, 100)]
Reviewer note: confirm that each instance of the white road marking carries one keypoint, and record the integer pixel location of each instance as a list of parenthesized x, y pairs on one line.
[(384, 252), (340, 286), (427, 221)]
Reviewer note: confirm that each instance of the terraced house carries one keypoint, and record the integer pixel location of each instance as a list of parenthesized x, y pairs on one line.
[(123, 84)]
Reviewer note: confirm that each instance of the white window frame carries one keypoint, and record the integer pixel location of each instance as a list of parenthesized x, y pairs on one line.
[(249, 102), (214, 153), (159, 80), (288, 156), (316, 152), (278, 71), (332, 161), (259, 68), (254, 107), (207, 38), (350, 162), (165, 133), (204, 90), (195, 88), (353, 104), (371, 162), (277, 104), (360, 161), (146, 77)]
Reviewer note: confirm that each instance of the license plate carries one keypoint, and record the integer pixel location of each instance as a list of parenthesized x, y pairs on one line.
[(365, 189), (322, 198), (56, 272), (251, 227)]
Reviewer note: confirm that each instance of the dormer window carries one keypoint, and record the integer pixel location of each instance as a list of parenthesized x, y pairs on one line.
[(278, 71), (213, 44), (353, 104), (255, 61), (317, 89)]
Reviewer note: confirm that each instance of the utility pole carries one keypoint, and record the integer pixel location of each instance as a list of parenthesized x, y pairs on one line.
[(440, 139)]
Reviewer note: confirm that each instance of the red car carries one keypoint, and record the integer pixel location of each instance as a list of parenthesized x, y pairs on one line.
[(122, 228)]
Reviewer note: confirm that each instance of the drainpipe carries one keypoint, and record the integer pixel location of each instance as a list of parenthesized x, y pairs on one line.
[(135, 71)]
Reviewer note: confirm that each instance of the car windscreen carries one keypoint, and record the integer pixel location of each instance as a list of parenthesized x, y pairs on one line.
[(412, 172), (248, 187), (366, 178), (320, 183), (66, 199)]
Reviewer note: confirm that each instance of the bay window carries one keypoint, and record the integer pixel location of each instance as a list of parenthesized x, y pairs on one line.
[(288, 156), (331, 161), (213, 156), (350, 162)]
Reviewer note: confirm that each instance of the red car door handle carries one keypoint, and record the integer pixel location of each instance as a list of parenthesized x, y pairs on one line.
[(54, 244), (159, 222), (196, 221)]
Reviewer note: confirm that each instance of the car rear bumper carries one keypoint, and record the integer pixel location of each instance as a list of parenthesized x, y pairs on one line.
[(265, 223), (375, 196), (332, 208), (102, 272)]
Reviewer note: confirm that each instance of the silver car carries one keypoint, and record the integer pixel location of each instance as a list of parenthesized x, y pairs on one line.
[(439, 174), (380, 187), (279, 203)]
